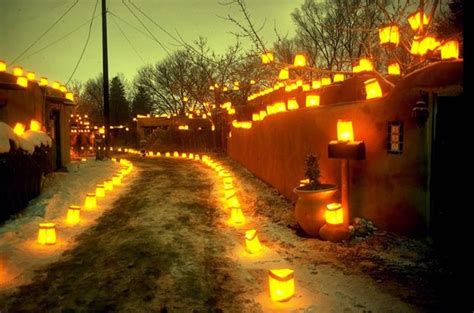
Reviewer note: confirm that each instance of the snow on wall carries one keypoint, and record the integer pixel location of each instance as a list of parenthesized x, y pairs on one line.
[(28, 141)]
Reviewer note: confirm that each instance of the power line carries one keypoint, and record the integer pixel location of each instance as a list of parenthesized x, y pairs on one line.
[(132, 26), (86, 43), (58, 40), (144, 26), (129, 42), (44, 33)]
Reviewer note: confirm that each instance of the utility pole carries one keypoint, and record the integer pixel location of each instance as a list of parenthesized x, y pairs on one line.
[(105, 73)]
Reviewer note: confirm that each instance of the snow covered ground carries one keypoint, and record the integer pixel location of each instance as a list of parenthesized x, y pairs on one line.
[(20, 254)]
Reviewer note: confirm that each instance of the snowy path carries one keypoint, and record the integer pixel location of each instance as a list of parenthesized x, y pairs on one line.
[(166, 246)]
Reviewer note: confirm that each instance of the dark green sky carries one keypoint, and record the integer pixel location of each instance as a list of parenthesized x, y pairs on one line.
[(23, 21)]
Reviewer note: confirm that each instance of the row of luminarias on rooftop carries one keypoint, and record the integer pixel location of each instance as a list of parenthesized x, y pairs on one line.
[(23, 77)]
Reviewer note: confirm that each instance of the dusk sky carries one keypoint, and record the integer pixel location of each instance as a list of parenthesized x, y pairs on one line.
[(23, 21)]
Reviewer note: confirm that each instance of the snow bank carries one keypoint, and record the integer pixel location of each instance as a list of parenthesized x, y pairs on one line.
[(6, 134), (28, 141), (20, 254), (37, 138)]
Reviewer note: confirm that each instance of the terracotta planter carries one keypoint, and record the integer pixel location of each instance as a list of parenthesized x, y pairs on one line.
[(310, 207)]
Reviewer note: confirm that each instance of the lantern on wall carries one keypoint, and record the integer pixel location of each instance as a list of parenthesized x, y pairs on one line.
[(394, 69), (255, 117), (35, 125), (312, 101), (279, 107), (263, 114), (281, 284), (196, 157), (334, 214), (3, 66), (251, 241), (389, 35), (267, 58), (47, 234), (184, 155), (338, 77), (415, 45), (167, 154), (365, 64), (372, 89), (428, 43), (22, 81), (90, 202), (19, 129), (300, 60), (450, 50), (17, 71), (100, 191), (70, 96), (284, 74), (56, 85), (31, 76), (43, 81), (415, 21), (191, 156), (237, 216), (344, 131), (73, 214), (316, 84), (292, 104), (325, 81), (176, 154)]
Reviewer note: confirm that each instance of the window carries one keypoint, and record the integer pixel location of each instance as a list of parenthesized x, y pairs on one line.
[(395, 137)]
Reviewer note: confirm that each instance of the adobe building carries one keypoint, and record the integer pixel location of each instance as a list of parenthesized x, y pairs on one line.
[(43, 103), (404, 131)]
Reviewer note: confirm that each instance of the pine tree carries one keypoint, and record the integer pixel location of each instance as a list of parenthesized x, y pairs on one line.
[(141, 103), (119, 106)]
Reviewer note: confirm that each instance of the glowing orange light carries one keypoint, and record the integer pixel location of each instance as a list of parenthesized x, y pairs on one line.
[(267, 58), (344, 131), (69, 96), (62, 88), (255, 117), (31, 76), (312, 101), (251, 241), (334, 214), (167, 154), (365, 64), (300, 60), (73, 214), (428, 43), (19, 129), (281, 284), (100, 191), (450, 50), (35, 125), (263, 114), (316, 84), (47, 234), (415, 45), (56, 85), (304, 182), (394, 69), (372, 89), (389, 35), (22, 81), (414, 20), (3, 66), (90, 202), (338, 78), (176, 154), (284, 74), (108, 185), (292, 104), (279, 107), (232, 201), (17, 71), (237, 216), (325, 81), (43, 81)]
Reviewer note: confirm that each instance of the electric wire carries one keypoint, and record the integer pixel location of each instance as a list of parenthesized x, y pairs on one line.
[(57, 40), (130, 25), (85, 44), (128, 40), (45, 32), (146, 28)]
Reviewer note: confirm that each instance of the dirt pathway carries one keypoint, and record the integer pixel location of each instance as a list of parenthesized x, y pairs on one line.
[(165, 246), (155, 251)]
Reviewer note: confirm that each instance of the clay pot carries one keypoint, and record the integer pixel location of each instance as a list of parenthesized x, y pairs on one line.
[(310, 207)]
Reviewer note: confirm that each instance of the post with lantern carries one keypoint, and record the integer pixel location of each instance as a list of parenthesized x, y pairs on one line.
[(344, 148)]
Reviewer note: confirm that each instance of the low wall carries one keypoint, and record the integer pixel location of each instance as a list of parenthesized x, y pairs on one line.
[(390, 189)]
